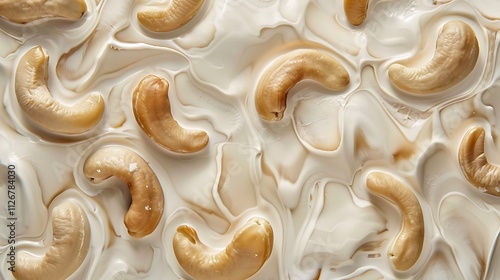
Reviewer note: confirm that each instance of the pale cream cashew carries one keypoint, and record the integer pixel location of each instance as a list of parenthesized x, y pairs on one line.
[(38, 104), (175, 15), (151, 107), (355, 11), (24, 11), (243, 257), (457, 51), (147, 195), (287, 71), (475, 166), (406, 248), (70, 244)]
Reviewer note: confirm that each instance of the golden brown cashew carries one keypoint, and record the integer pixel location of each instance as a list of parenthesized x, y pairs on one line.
[(243, 257), (152, 111), (177, 14), (287, 71), (355, 10), (70, 243), (38, 104), (457, 51), (480, 173), (147, 195), (24, 11), (406, 249)]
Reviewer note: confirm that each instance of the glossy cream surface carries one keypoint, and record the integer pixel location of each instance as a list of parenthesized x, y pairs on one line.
[(305, 174)]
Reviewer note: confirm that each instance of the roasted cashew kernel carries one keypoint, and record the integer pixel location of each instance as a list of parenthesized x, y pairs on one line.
[(177, 14), (147, 195), (38, 104), (406, 248), (24, 11), (70, 244), (355, 10), (475, 166), (243, 257), (152, 111), (287, 71), (457, 51)]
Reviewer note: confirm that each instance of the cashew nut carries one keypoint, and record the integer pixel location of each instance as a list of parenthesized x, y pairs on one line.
[(147, 195), (38, 104), (480, 173), (152, 111), (457, 51), (243, 257), (355, 10), (70, 243), (24, 11), (177, 14), (287, 71), (406, 248)]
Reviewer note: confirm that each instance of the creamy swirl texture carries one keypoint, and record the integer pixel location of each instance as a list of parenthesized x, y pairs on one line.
[(306, 175)]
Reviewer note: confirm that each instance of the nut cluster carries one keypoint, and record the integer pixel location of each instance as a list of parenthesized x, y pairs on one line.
[(158, 134)]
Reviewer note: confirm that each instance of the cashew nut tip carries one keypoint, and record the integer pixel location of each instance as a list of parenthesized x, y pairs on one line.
[(147, 205), (287, 71), (151, 107), (40, 107), (70, 244), (24, 11), (355, 11), (406, 248), (457, 51), (175, 15), (475, 166), (249, 249)]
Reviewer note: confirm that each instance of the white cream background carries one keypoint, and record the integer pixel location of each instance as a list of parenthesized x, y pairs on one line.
[(305, 174)]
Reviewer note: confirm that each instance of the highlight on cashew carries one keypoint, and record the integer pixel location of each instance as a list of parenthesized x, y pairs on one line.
[(355, 10), (406, 248), (70, 244), (287, 71), (147, 195), (457, 51), (475, 166), (37, 103), (24, 11), (175, 15), (151, 107), (249, 249)]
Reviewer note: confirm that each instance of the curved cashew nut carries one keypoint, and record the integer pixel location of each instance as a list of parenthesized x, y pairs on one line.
[(457, 51), (287, 71), (177, 14), (38, 104), (475, 165), (406, 249), (355, 10), (243, 257), (70, 244), (152, 111), (24, 11), (147, 195)]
